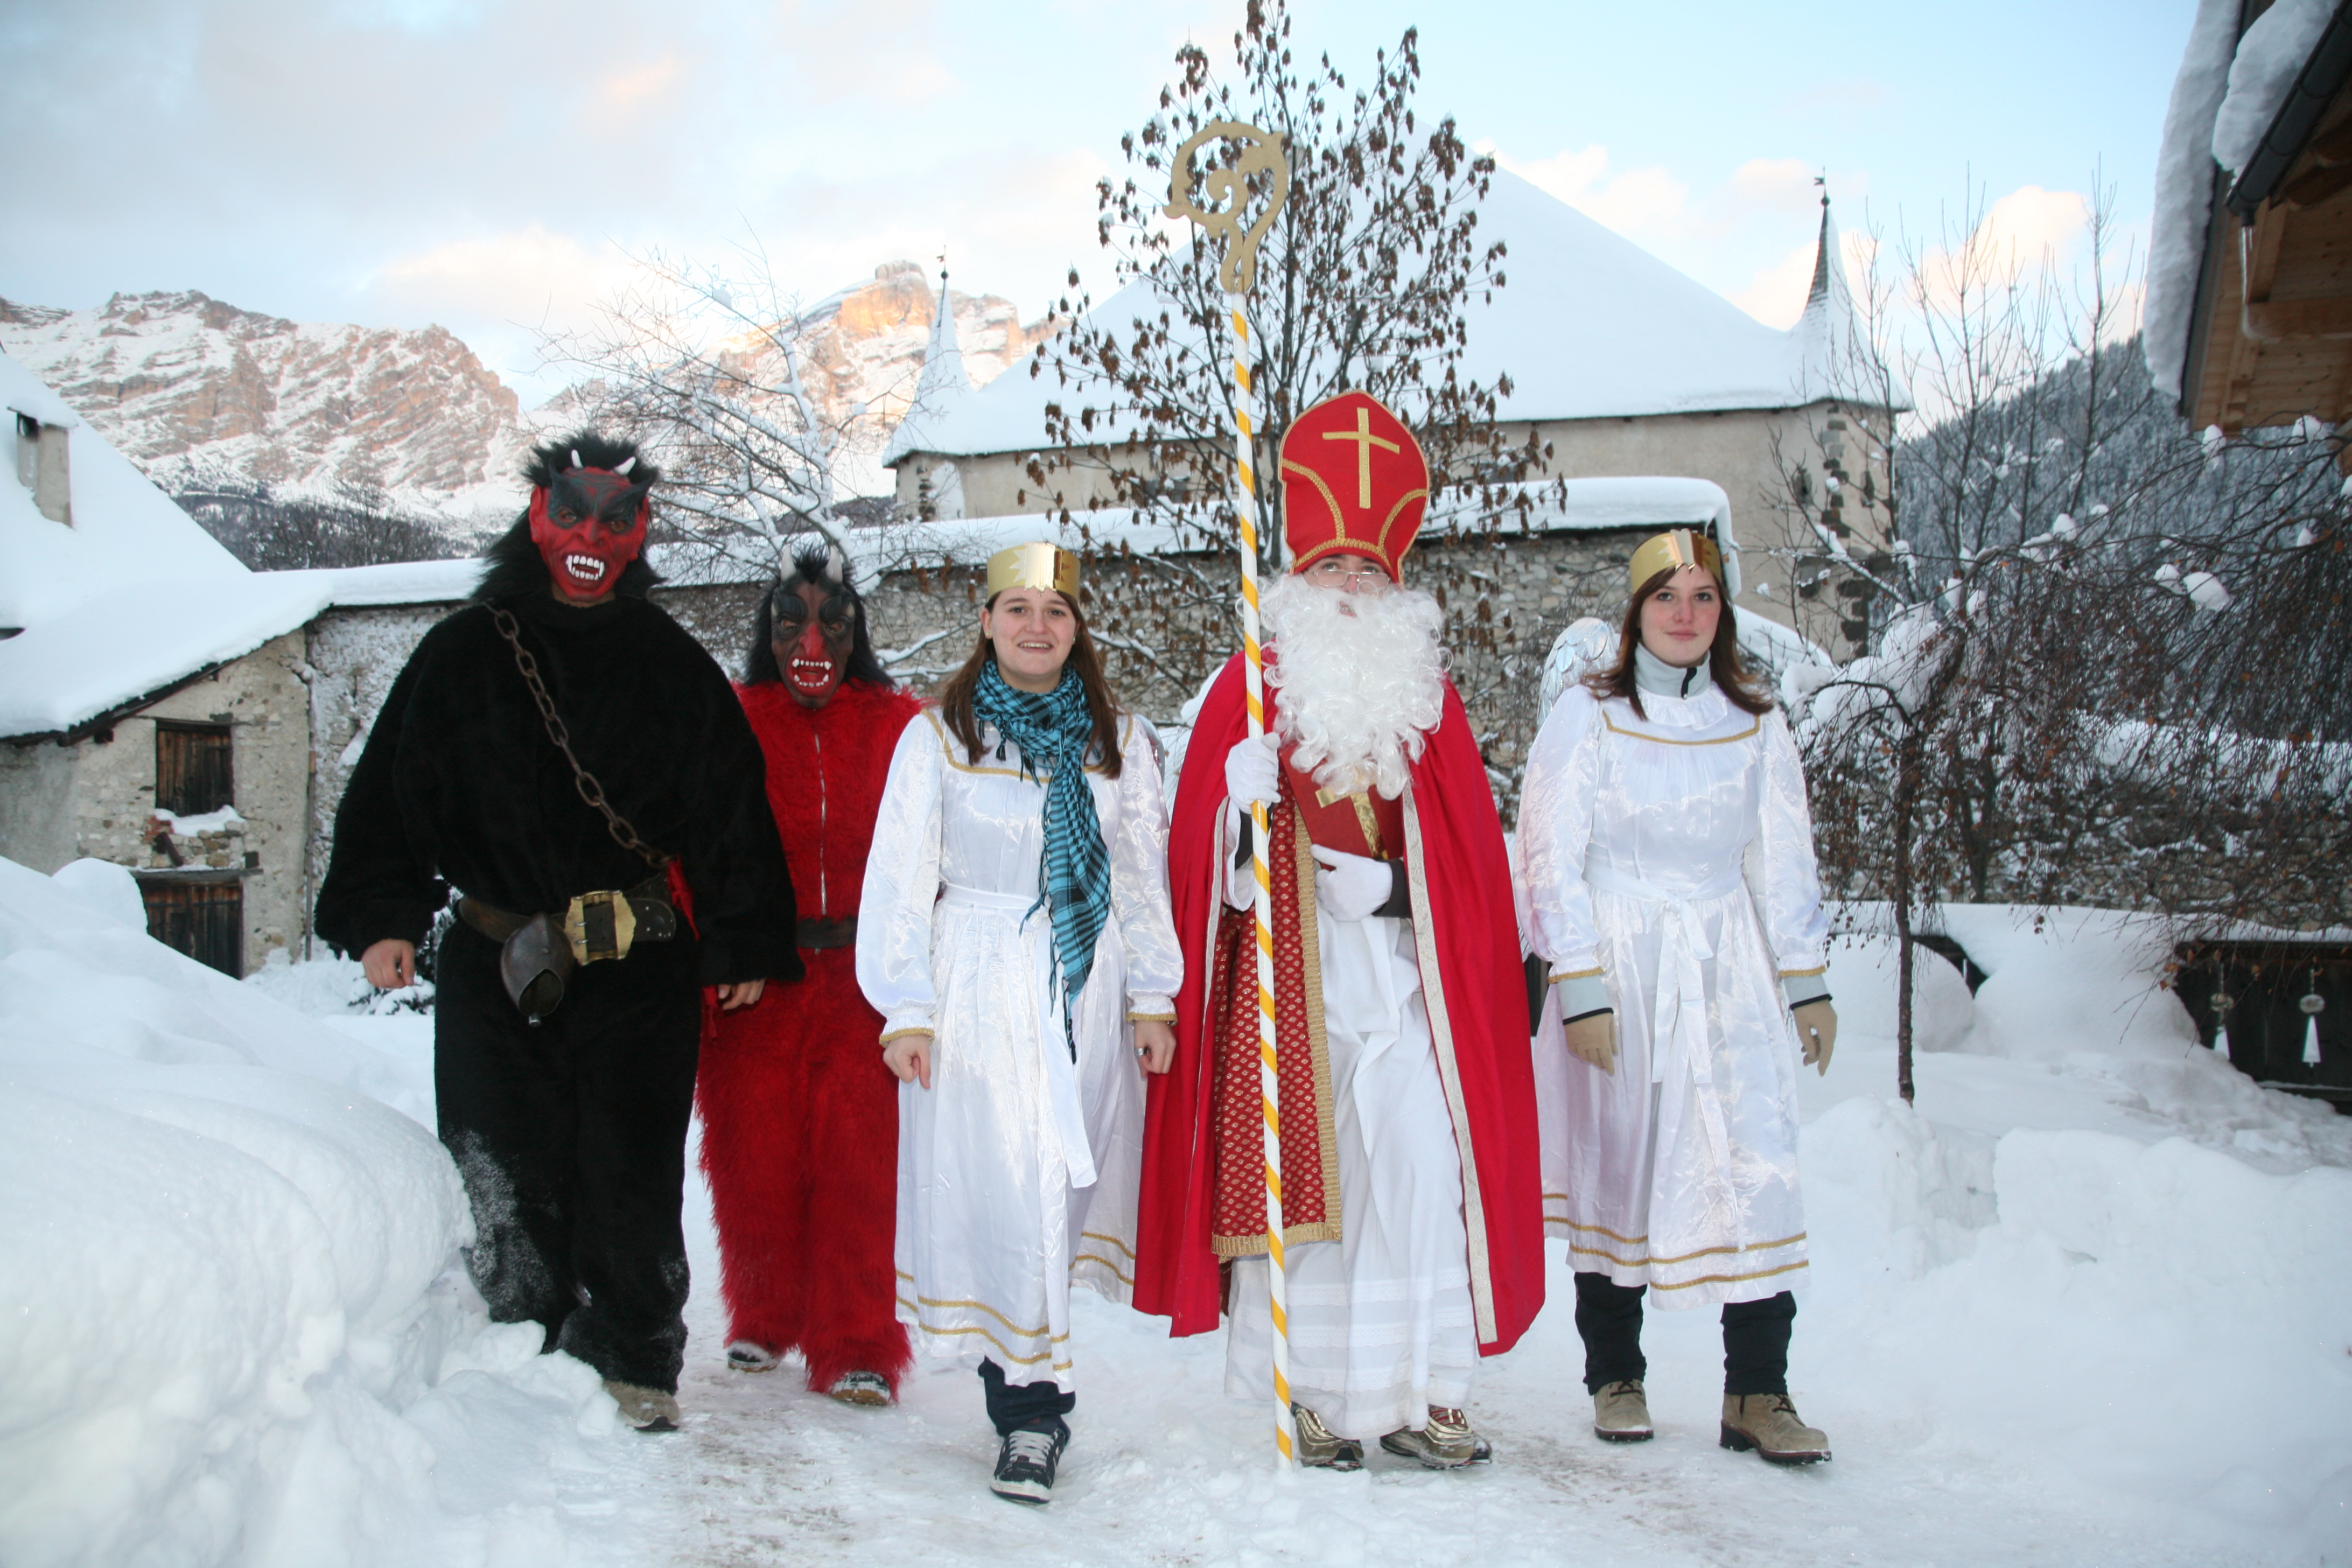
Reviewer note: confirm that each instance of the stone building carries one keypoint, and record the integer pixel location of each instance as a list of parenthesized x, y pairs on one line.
[(1622, 364)]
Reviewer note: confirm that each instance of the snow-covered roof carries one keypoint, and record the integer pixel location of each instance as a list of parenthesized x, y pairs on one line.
[(2229, 93), (1590, 326), (126, 644), (1553, 506), (123, 529), (941, 392)]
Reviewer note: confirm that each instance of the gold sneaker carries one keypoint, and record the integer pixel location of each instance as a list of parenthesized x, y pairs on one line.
[(1767, 1423), (1448, 1443), (1321, 1449)]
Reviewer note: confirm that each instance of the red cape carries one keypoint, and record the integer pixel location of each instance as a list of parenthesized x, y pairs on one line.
[(1477, 1008)]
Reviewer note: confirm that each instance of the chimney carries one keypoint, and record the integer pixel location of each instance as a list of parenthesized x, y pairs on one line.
[(43, 459)]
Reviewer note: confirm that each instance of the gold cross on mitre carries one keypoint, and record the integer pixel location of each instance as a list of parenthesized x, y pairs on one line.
[(1363, 433)]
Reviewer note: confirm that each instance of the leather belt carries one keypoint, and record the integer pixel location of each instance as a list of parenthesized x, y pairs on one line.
[(842, 933), (598, 925)]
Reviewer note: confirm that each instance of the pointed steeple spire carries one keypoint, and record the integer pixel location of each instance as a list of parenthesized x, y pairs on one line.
[(1831, 357), (942, 386)]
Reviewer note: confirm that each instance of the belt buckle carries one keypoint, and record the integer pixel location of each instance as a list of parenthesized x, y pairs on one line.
[(600, 925)]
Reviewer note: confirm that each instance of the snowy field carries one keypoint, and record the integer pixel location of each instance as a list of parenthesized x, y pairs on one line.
[(2092, 1303)]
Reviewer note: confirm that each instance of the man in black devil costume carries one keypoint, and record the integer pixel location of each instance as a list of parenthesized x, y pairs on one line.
[(570, 988)]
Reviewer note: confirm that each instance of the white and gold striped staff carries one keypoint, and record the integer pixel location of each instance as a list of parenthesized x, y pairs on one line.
[(1220, 213)]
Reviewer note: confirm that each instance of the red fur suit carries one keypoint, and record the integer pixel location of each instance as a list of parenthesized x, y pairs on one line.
[(800, 1118)]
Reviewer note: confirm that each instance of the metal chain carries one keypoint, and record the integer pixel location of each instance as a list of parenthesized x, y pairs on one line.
[(590, 789)]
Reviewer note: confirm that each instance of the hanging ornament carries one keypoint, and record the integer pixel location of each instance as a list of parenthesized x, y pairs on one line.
[(2222, 1003), (2312, 1006)]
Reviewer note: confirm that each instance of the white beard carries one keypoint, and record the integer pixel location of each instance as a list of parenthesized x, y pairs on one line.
[(1362, 681)]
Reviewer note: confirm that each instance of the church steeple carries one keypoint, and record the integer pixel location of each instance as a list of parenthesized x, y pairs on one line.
[(1830, 352), (940, 389)]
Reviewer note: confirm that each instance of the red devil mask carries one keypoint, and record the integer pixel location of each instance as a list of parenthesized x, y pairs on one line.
[(589, 524), (815, 632)]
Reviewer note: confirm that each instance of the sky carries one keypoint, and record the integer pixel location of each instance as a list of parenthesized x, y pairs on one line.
[(493, 165)]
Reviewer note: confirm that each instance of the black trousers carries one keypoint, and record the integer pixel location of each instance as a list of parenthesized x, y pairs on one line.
[(1012, 1405), (571, 1137), (1755, 1337)]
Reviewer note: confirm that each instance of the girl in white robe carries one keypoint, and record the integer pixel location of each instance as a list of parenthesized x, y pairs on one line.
[(1020, 1132), (1670, 867)]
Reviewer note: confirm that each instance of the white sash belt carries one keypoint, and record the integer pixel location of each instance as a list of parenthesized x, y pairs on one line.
[(1064, 1112), (1678, 1042)]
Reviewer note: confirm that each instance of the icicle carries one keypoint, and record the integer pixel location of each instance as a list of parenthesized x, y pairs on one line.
[(2311, 1042), (2312, 1006)]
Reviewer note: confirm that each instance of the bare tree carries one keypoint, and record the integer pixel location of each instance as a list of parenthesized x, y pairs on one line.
[(1363, 280), (2072, 689), (710, 366)]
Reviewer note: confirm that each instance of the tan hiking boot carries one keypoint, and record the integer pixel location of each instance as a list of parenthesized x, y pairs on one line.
[(647, 1409), (1620, 1412), (869, 1388), (1448, 1443), (1321, 1449), (1767, 1423)]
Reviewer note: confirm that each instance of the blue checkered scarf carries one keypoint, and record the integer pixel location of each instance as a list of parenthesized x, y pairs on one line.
[(1053, 730)]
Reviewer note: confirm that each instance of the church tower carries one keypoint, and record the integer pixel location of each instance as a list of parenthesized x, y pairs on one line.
[(930, 487)]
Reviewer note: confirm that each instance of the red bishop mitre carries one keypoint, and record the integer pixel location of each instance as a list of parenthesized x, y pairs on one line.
[(1353, 479)]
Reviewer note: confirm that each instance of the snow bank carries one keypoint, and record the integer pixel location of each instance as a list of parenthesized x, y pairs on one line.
[(228, 1329)]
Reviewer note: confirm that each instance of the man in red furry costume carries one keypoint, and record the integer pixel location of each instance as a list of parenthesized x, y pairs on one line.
[(800, 1118)]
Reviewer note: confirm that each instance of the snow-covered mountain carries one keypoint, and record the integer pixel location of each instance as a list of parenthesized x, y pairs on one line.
[(196, 390)]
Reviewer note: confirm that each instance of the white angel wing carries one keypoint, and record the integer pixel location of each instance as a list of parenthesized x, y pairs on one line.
[(1586, 646)]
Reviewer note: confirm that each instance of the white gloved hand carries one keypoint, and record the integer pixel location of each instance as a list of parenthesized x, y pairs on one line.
[(1251, 773), (1350, 885)]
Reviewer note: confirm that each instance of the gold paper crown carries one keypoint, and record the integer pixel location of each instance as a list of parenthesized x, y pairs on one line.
[(1038, 565), (1673, 550)]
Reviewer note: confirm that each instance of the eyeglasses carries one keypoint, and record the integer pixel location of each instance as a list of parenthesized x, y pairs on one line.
[(1342, 568)]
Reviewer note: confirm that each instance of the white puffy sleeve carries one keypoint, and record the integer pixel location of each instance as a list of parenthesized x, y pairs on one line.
[(1555, 827), (902, 884), (1795, 924), (1139, 879)]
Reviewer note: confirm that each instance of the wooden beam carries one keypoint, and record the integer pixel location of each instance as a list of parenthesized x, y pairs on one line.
[(2272, 321)]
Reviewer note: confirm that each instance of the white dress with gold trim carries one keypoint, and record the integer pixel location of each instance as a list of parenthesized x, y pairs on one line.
[(1018, 1168), (1673, 854)]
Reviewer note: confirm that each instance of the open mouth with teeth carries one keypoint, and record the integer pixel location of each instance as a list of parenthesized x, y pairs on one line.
[(811, 675), (585, 569)]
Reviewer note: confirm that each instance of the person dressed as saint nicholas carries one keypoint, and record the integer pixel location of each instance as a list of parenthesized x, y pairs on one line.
[(799, 1120), (1411, 1205), (1014, 935), (1670, 870)]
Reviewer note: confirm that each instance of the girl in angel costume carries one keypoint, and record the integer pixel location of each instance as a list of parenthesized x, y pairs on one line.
[(1015, 934), (1670, 869)]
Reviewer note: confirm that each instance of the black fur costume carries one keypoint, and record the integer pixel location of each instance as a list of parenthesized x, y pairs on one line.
[(570, 1135)]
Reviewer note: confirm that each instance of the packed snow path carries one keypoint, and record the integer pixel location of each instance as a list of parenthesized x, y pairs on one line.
[(2090, 1304), (1955, 1444)]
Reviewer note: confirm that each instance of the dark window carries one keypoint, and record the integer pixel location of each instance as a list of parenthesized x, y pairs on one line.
[(204, 920), (192, 768)]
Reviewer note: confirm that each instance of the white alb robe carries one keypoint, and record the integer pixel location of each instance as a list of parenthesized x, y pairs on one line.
[(1673, 854), (1018, 1169), (1381, 1325)]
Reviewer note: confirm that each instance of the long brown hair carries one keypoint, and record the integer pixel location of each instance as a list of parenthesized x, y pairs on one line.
[(955, 697), (1740, 686)]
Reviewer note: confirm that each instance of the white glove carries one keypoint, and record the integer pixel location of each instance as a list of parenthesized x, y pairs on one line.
[(1350, 885), (1251, 773)]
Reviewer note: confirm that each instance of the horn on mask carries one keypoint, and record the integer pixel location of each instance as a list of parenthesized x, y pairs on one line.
[(623, 467), (575, 459)]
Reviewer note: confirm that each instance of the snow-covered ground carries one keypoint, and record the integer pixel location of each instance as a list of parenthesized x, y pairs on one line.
[(2090, 1302)]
